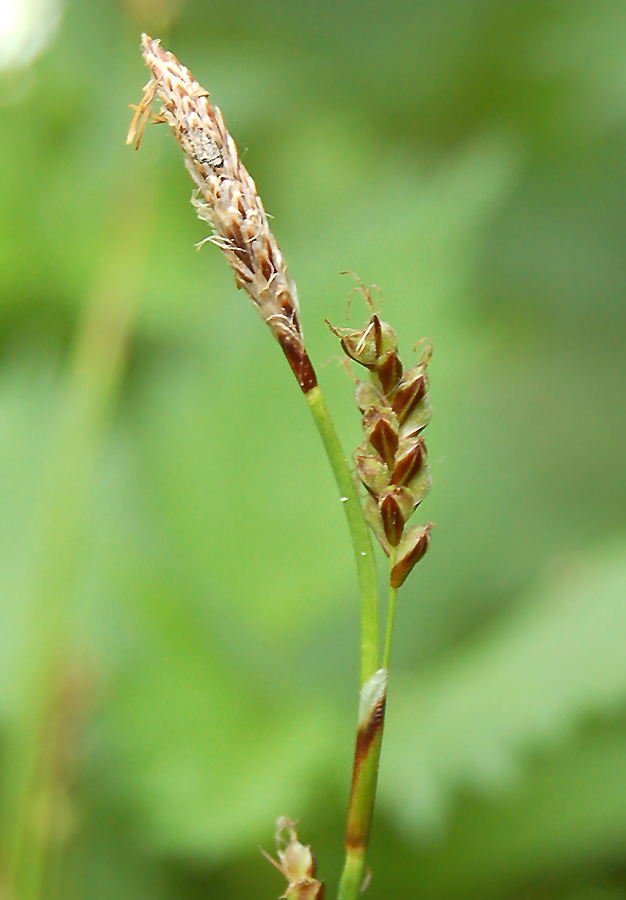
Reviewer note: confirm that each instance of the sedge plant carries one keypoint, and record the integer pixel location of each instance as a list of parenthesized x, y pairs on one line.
[(390, 465)]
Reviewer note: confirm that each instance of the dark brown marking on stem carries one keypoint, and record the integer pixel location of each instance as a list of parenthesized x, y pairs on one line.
[(357, 833), (298, 359), (368, 731)]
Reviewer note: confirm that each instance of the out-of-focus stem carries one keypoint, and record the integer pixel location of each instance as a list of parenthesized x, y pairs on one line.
[(359, 532), (28, 844)]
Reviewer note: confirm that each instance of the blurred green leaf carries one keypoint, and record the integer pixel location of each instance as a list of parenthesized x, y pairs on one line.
[(529, 682)]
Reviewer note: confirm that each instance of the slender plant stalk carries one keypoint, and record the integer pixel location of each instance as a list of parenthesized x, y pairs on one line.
[(29, 825), (366, 763), (359, 532), (391, 611), (364, 780), (395, 410)]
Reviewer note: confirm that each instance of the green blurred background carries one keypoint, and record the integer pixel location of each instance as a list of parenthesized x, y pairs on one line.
[(179, 622)]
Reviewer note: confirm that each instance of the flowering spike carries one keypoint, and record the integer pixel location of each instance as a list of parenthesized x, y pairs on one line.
[(391, 463), (227, 198)]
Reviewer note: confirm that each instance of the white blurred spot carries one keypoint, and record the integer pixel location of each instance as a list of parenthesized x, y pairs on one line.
[(26, 27)]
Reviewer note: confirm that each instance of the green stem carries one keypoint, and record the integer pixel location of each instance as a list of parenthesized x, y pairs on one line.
[(391, 612), (352, 875), (359, 531), (366, 761), (364, 779)]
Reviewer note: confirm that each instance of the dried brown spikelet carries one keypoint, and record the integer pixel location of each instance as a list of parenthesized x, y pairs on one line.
[(297, 863), (227, 198)]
